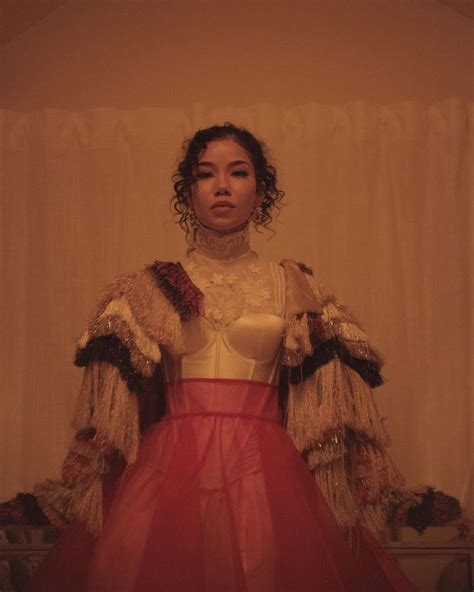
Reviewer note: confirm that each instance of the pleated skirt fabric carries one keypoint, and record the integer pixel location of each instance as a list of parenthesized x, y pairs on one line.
[(219, 500)]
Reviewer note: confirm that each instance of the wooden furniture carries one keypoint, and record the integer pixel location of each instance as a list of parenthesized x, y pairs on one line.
[(437, 561)]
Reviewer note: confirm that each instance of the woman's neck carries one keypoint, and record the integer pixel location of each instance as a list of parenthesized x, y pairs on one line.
[(216, 245)]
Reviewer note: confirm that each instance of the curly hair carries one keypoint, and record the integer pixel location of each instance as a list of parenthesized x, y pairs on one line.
[(265, 173)]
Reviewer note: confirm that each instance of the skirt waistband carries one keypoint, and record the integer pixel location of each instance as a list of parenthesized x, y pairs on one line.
[(222, 398), (221, 415)]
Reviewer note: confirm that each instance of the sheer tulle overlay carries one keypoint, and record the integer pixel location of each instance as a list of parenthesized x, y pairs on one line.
[(219, 499)]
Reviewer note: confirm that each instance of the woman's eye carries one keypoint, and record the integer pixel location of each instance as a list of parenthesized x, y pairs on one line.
[(207, 174)]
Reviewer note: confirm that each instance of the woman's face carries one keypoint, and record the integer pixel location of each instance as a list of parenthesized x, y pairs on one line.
[(225, 192)]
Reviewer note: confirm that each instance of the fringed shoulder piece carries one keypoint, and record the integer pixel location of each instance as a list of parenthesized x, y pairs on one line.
[(337, 332), (177, 286), (106, 421), (301, 305), (315, 317), (120, 350), (135, 315), (329, 368)]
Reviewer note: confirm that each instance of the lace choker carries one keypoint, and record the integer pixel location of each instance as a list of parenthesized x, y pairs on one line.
[(221, 246)]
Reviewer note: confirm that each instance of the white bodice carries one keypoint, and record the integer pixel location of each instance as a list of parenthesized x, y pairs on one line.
[(240, 331)]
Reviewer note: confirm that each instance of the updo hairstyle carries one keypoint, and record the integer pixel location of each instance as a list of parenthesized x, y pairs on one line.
[(183, 179)]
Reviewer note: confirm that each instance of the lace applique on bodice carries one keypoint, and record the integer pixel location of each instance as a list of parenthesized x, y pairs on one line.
[(230, 291), (240, 329)]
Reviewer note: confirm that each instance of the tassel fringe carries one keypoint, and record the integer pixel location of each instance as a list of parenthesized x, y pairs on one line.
[(106, 405), (61, 504), (317, 406), (141, 316), (54, 499), (88, 506), (117, 319), (332, 479), (327, 403), (106, 418), (297, 337), (333, 421)]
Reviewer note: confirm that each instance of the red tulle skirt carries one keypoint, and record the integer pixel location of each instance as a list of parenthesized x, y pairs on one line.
[(219, 500)]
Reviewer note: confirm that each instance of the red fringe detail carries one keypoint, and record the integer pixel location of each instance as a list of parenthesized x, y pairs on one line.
[(177, 286)]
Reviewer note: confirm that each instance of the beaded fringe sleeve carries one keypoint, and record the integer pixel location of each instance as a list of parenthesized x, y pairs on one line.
[(331, 415), (120, 354), (327, 374)]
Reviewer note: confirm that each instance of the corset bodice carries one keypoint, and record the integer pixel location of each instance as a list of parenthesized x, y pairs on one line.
[(239, 333), (248, 349)]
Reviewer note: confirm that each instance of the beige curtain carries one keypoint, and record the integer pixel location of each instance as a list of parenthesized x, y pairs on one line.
[(378, 204)]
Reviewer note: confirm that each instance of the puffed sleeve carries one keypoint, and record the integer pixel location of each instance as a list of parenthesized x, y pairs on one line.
[(331, 414), (120, 353)]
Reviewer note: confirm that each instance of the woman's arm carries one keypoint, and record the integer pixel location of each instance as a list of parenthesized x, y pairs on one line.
[(120, 392), (331, 414)]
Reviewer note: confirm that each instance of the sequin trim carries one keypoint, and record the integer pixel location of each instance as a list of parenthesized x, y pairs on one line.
[(329, 350), (109, 348), (114, 325)]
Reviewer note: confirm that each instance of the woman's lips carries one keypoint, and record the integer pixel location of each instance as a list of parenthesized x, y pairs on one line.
[(222, 205), (222, 211)]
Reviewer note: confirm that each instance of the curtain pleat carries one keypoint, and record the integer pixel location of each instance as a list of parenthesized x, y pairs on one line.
[(378, 202)]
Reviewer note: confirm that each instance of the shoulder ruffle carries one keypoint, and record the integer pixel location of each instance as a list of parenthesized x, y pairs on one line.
[(120, 350), (135, 315), (176, 285), (329, 368), (321, 329)]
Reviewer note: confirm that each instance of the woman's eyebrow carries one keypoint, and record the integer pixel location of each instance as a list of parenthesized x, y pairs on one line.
[(211, 164)]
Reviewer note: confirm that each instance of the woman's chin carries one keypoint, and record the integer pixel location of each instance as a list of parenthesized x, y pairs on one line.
[(224, 226)]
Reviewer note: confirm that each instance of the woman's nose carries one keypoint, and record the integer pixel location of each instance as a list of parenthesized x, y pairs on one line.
[(222, 186), (222, 191)]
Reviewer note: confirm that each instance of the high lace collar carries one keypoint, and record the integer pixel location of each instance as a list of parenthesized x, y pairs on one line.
[(215, 245)]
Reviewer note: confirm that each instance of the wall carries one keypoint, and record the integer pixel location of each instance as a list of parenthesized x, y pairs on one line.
[(195, 58), (137, 54)]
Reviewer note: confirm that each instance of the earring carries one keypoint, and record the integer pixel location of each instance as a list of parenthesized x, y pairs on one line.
[(257, 216), (192, 218)]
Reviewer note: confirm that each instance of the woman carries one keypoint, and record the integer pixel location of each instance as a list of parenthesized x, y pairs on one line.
[(254, 388)]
